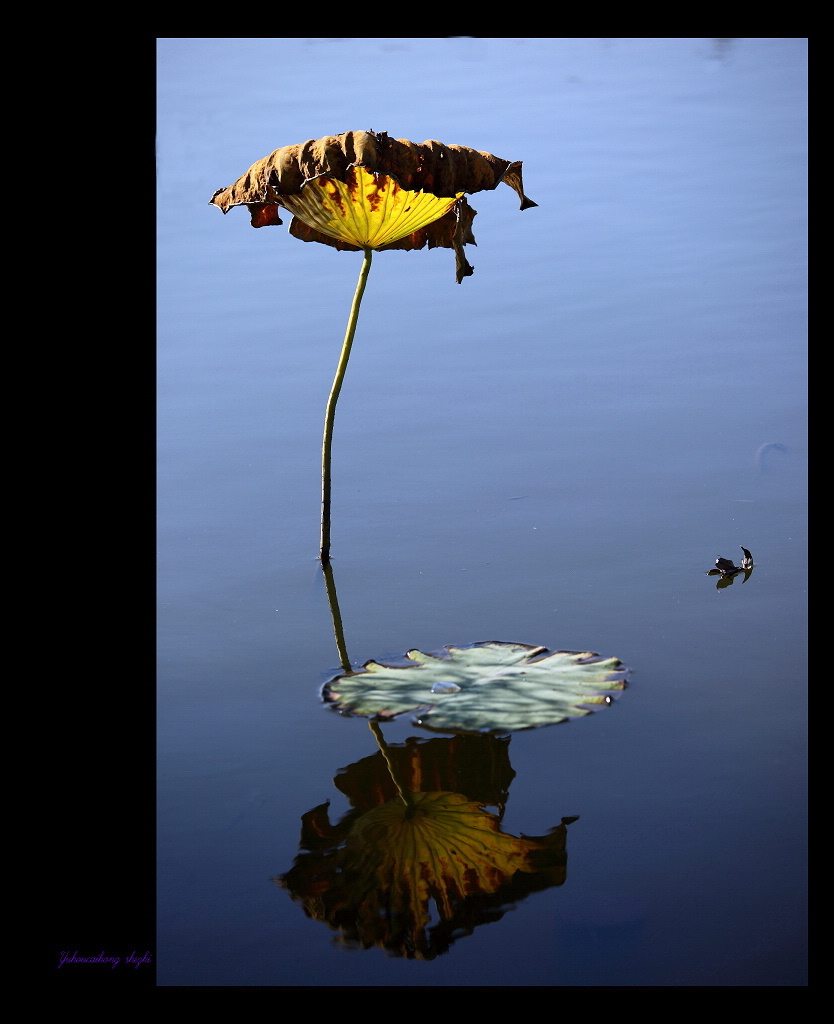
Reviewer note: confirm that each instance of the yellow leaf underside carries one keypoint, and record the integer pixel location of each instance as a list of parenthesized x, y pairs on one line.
[(369, 210), (448, 841)]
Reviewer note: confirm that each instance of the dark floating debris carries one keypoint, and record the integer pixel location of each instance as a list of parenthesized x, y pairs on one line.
[(728, 570)]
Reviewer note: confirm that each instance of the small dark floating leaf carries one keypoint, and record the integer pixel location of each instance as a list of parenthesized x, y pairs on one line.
[(726, 565), (728, 571)]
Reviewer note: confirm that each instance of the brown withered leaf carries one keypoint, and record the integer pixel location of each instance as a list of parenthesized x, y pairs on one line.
[(444, 171)]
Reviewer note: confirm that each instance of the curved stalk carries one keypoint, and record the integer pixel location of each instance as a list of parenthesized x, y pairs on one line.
[(335, 615), (402, 789), (330, 413)]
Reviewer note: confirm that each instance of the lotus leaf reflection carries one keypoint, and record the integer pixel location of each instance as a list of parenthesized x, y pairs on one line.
[(412, 871)]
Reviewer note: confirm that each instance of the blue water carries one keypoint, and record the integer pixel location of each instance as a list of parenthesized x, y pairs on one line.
[(553, 452)]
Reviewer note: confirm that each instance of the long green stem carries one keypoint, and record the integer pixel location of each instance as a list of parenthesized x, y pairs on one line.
[(330, 414), (402, 789), (335, 615)]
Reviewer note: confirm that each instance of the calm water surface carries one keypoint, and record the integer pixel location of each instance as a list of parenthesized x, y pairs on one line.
[(553, 452)]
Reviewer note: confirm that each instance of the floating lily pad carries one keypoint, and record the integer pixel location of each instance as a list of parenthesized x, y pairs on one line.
[(484, 687)]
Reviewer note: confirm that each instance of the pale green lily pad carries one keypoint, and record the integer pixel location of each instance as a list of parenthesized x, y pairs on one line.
[(484, 687)]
